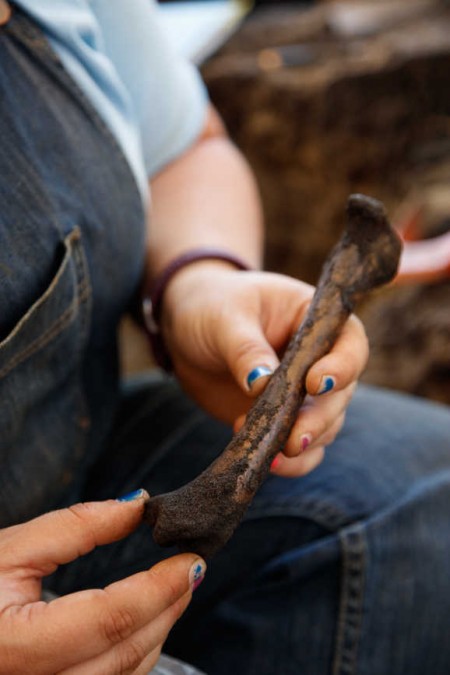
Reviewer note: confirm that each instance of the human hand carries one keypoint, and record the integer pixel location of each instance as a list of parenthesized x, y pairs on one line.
[(118, 629), (226, 329)]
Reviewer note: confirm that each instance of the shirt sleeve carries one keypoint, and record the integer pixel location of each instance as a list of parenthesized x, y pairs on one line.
[(167, 93)]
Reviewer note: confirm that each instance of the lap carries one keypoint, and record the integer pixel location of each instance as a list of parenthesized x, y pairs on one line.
[(389, 441), (309, 550), (390, 444)]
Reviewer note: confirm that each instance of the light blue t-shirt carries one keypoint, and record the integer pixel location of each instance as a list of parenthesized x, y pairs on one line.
[(116, 50)]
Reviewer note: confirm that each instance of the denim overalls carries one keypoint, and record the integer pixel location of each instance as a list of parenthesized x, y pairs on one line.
[(71, 257), (342, 571)]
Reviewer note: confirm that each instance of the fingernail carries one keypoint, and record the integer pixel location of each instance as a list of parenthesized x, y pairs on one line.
[(275, 462), (257, 373), (326, 384), (197, 574), (131, 496), (305, 440)]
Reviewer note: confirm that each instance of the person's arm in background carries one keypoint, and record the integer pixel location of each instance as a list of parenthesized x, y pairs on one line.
[(220, 324), (216, 171)]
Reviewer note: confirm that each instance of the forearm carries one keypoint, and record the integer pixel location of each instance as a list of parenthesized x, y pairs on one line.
[(207, 197)]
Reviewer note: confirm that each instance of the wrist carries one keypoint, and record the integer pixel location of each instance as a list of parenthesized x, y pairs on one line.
[(187, 279), (168, 287)]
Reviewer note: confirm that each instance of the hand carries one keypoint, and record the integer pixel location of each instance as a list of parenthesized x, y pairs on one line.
[(221, 325), (118, 629)]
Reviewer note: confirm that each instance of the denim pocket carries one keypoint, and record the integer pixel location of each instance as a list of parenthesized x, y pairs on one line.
[(43, 418)]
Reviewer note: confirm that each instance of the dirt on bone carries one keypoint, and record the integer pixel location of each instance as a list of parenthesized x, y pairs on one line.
[(202, 515)]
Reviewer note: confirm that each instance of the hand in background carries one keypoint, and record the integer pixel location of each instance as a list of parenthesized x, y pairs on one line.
[(118, 629)]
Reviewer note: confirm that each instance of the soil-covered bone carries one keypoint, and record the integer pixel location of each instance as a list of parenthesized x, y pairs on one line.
[(202, 515)]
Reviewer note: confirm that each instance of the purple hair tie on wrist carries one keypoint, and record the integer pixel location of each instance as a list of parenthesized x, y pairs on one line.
[(152, 303)]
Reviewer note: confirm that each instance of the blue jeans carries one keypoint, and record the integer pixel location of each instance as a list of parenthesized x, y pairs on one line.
[(343, 571)]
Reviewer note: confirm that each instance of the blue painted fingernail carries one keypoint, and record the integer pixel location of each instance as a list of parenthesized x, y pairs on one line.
[(197, 574), (326, 384), (257, 373), (131, 496)]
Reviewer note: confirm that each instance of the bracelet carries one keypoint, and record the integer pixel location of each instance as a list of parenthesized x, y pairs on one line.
[(152, 304)]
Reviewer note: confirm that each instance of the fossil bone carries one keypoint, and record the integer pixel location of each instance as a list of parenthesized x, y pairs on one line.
[(202, 515)]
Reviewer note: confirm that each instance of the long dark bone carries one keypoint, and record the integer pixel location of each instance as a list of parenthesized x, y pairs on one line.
[(202, 515)]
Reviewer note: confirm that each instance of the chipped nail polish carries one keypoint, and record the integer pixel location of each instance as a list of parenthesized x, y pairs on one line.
[(326, 384), (256, 374), (305, 440), (197, 574), (131, 496), (275, 462)]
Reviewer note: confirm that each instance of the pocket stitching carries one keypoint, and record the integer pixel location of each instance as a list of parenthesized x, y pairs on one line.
[(49, 334), (82, 295)]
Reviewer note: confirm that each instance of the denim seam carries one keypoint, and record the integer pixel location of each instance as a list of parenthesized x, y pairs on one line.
[(83, 283), (45, 338), (349, 626), (325, 515), (83, 294)]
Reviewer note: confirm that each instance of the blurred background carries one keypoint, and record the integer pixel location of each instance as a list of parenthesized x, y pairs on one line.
[(332, 97)]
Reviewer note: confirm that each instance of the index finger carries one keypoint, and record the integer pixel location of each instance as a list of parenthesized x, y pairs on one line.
[(77, 627), (343, 364)]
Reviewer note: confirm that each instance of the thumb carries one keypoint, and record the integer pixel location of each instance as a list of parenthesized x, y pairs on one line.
[(60, 536), (249, 356)]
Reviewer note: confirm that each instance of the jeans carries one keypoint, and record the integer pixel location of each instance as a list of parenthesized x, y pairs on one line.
[(342, 571)]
